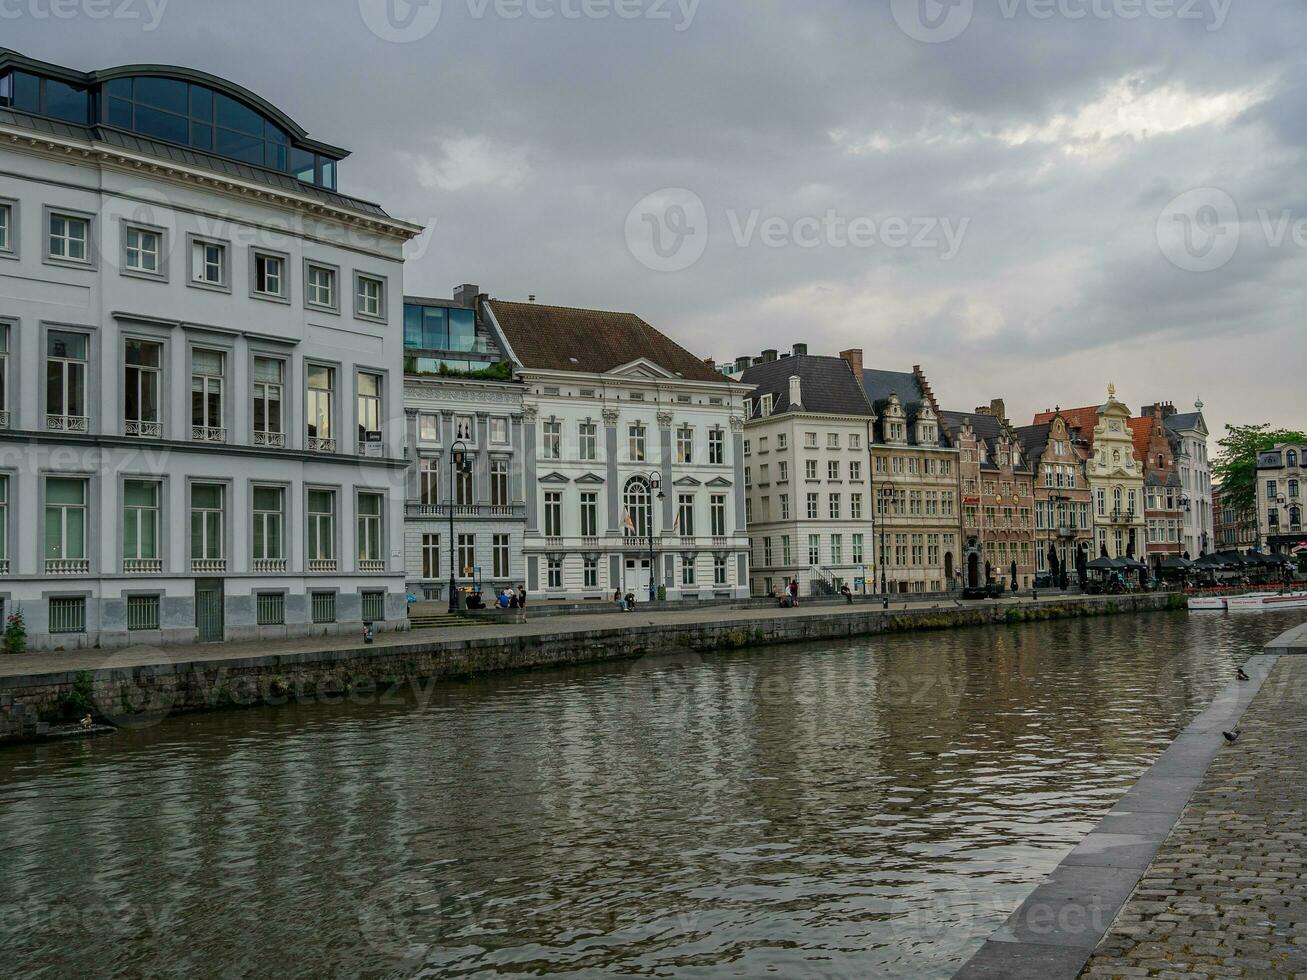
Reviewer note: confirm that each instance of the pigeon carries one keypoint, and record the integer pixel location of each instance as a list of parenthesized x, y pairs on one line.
[(1241, 675), (1233, 736)]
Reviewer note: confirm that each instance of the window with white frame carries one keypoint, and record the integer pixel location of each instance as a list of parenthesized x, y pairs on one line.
[(6, 227), (429, 427), (636, 442), (268, 390), (143, 250), (718, 570), (370, 297), (553, 439), (588, 443), (209, 263), (553, 514), (4, 523), (554, 573), (814, 549), (65, 380), (685, 514), (321, 426), (208, 368), (465, 486), (590, 573), (269, 517), (320, 286), (141, 378), (467, 554), (70, 238), (65, 520), (269, 275), (717, 447), (499, 431), (207, 512), (589, 514), (499, 554), (321, 537), (685, 444), (429, 481), (499, 483), (430, 556), (687, 570), (140, 520), (371, 546), (369, 409), (717, 514)]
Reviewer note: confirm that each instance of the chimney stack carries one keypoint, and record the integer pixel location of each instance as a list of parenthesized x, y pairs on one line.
[(769, 355), (742, 363), (466, 295), (800, 350), (854, 357), (796, 392)]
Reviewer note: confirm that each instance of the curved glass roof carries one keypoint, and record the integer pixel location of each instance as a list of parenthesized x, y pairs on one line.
[(173, 105)]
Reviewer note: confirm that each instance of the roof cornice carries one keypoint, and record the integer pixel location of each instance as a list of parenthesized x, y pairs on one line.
[(121, 159)]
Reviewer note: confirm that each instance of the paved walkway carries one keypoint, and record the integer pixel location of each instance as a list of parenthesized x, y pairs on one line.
[(604, 618), (1226, 895)]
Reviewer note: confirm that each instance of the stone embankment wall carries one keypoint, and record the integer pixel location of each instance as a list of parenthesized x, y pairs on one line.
[(136, 695)]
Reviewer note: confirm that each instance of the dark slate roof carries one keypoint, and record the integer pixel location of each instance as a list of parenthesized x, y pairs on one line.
[(827, 385), (879, 385), (1183, 421), (988, 429), (172, 153), (1034, 438), (560, 338)]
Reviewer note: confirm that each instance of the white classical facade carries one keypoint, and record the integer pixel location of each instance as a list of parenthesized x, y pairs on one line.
[(807, 474), (633, 459), (1190, 429), (201, 432)]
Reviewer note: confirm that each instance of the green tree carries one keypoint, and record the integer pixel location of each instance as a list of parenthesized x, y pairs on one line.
[(1236, 466)]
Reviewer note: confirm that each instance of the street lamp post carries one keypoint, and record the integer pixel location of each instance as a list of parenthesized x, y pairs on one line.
[(887, 495), (655, 493), (458, 463)]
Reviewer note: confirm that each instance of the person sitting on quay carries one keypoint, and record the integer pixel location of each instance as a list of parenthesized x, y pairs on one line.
[(847, 593)]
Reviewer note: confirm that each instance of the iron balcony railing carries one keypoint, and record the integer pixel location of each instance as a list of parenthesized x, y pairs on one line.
[(208, 433), (501, 511), (142, 429), (270, 440), (321, 445), (67, 423)]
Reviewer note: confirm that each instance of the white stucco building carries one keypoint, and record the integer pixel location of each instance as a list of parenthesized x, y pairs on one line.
[(633, 458), (1190, 429), (201, 425), (807, 439)]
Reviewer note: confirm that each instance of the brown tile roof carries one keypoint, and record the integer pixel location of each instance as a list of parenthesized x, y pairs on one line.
[(560, 338), (1142, 431), (1084, 419)]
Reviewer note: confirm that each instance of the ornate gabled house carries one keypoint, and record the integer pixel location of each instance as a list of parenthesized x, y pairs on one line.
[(1062, 497), (633, 458), (807, 429), (1164, 500), (914, 481), (1281, 490), (1116, 478), (997, 494)]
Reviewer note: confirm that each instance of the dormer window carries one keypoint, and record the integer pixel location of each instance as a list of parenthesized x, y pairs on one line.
[(765, 406)]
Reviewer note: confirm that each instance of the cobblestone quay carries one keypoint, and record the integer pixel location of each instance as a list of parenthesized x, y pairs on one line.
[(1226, 895)]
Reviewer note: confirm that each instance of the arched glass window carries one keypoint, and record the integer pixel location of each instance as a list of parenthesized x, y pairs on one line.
[(1116, 498), (1293, 458), (637, 498)]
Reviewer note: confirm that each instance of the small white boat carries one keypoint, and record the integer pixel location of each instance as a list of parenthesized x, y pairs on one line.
[(1208, 603), (1267, 600)]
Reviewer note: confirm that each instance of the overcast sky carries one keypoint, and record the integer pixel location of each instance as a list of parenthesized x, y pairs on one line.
[(1030, 198)]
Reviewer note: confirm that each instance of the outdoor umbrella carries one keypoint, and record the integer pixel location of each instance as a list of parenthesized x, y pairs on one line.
[(1175, 564), (1103, 564)]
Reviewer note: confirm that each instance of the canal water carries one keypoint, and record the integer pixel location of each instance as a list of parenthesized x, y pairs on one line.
[(873, 808)]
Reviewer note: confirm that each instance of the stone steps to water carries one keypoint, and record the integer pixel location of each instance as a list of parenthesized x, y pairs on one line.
[(444, 621)]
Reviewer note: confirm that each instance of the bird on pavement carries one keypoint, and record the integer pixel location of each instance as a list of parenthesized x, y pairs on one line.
[(1241, 675), (1233, 736)]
